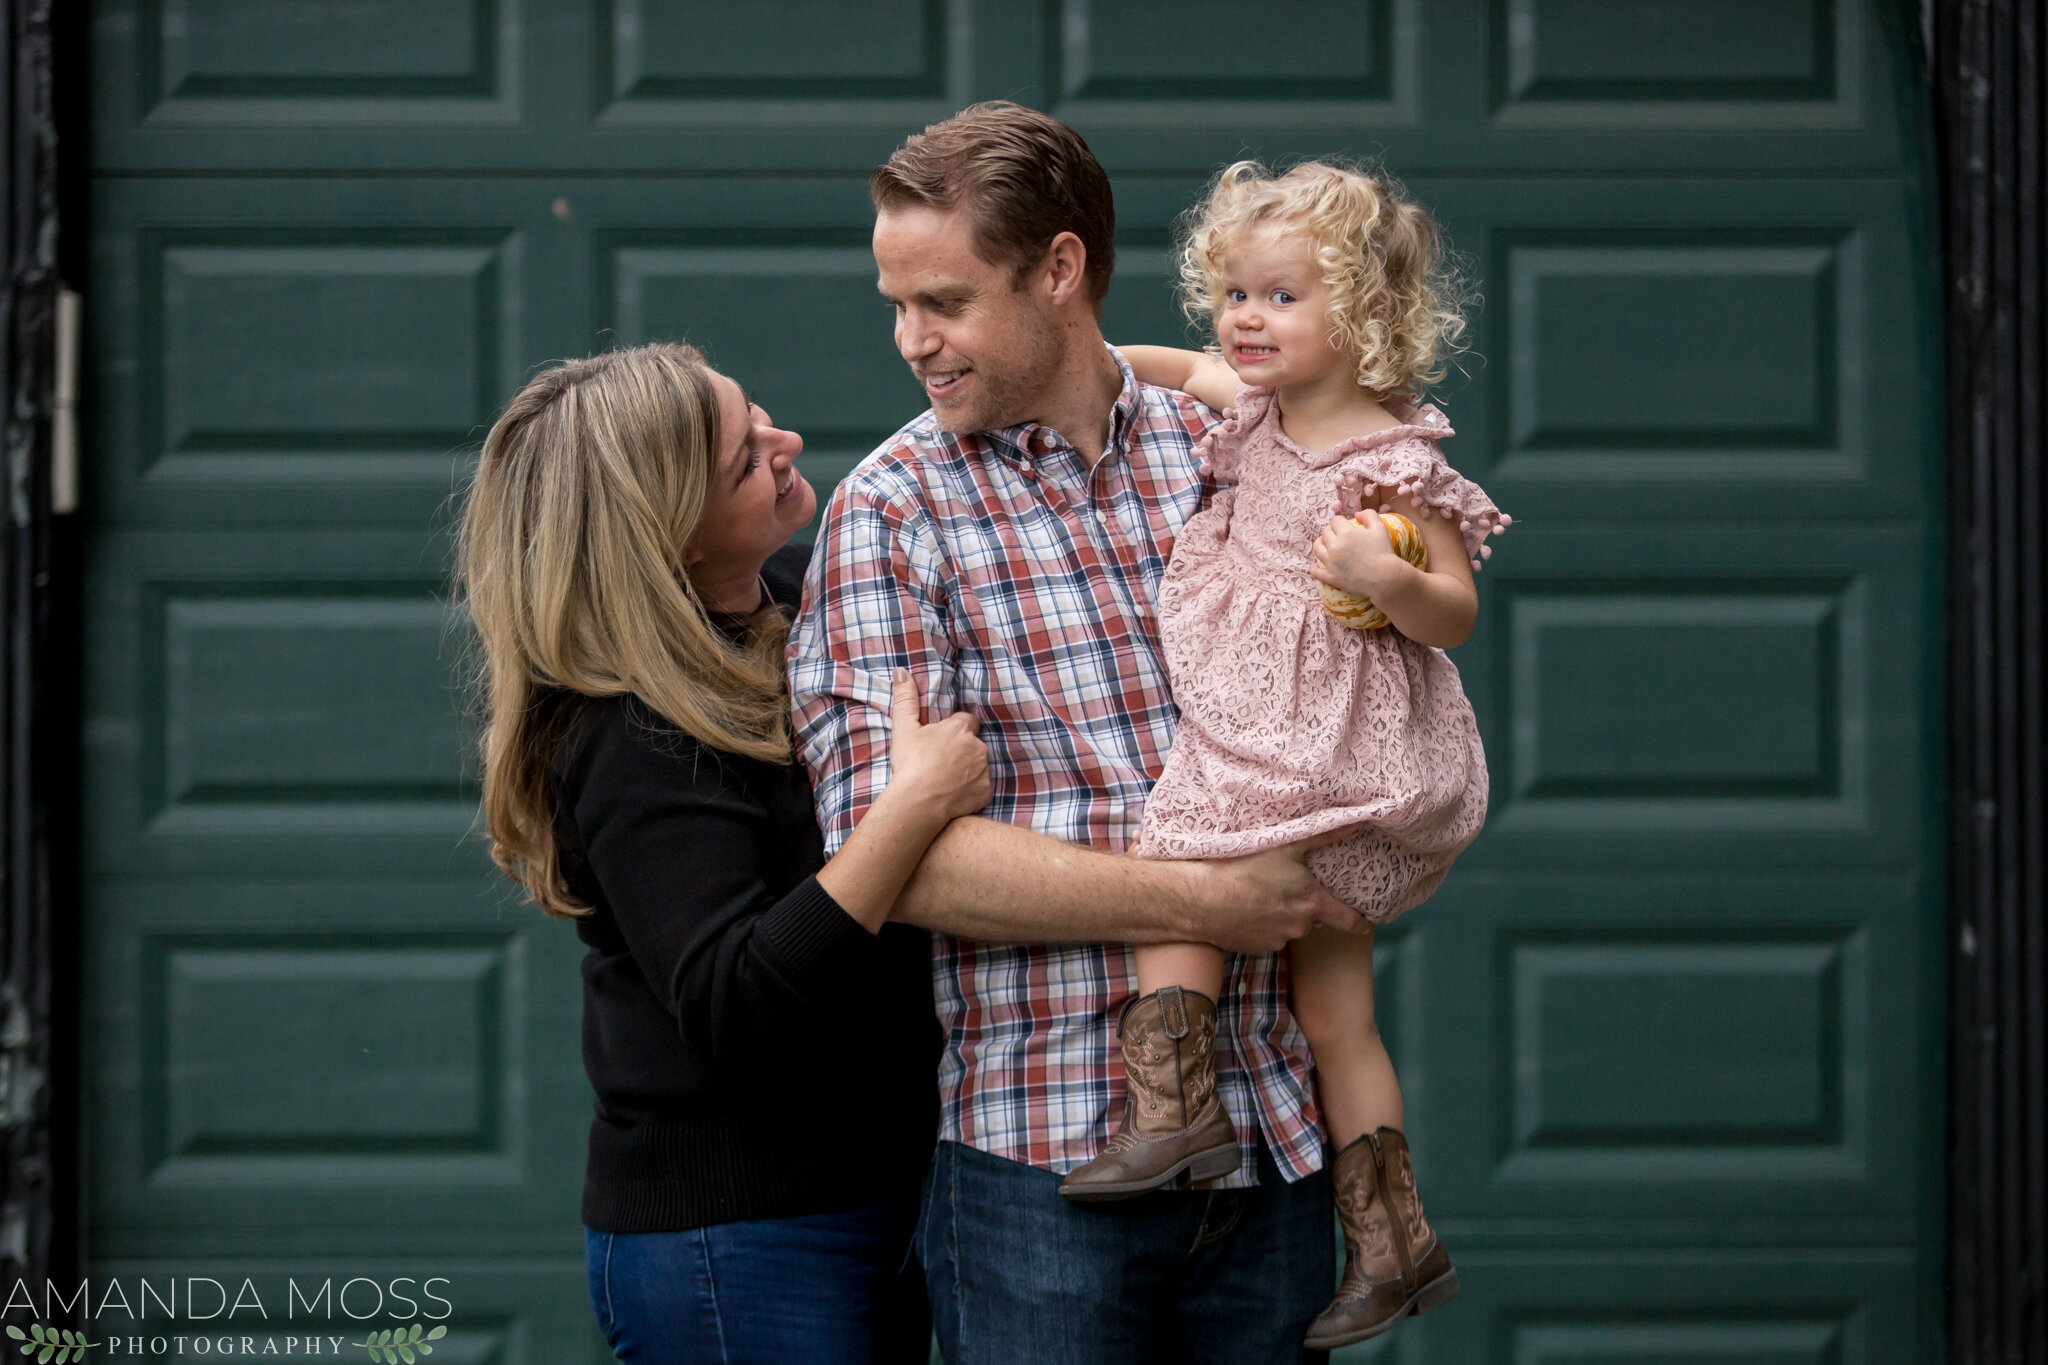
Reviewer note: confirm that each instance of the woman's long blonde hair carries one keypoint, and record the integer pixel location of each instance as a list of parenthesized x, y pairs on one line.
[(590, 485)]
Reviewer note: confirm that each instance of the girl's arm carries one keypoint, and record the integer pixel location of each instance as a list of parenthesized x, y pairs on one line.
[(1433, 606), (1192, 372)]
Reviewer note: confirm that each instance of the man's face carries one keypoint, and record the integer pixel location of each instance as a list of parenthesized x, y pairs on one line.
[(987, 354)]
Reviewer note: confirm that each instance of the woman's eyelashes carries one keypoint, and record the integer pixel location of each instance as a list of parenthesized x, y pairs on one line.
[(756, 419)]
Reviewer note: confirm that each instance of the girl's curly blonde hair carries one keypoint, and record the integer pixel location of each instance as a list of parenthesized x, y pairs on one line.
[(1396, 298)]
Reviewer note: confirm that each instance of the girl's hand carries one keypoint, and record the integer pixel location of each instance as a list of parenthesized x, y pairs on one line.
[(943, 764), (1358, 556)]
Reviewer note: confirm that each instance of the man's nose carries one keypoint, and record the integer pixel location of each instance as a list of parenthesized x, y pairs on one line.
[(913, 339)]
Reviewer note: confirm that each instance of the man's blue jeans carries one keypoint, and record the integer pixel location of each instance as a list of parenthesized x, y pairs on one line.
[(830, 1288), (1018, 1274)]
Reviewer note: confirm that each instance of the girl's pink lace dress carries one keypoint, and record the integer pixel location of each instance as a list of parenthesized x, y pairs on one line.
[(1293, 723)]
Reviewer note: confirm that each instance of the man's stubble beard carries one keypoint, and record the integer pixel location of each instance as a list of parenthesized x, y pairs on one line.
[(1016, 392)]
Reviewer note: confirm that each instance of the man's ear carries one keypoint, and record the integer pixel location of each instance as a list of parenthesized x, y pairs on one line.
[(1064, 269)]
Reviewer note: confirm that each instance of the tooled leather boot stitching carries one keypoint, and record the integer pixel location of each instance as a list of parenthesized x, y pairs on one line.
[(1394, 1263), (1173, 1125)]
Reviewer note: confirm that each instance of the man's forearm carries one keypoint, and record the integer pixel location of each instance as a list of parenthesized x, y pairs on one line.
[(1001, 883)]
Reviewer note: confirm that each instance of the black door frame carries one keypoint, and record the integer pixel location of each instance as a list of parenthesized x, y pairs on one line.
[(1990, 125), (39, 737), (1985, 61)]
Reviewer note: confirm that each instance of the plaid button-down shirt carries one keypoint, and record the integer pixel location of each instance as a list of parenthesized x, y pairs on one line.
[(1018, 585)]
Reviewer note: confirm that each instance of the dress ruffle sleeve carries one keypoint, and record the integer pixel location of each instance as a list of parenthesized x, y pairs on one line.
[(1406, 461), (1221, 448)]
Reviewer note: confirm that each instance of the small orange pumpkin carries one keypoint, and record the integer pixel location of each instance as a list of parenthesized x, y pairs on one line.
[(1357, 611)]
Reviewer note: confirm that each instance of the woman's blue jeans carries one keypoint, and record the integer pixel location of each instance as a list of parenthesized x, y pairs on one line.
[(831, 1288)]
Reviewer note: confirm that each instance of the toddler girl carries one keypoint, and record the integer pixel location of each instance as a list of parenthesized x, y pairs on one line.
[(1305, 712)]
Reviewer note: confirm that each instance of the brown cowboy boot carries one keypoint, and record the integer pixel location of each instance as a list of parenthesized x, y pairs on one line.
[(1173, 1123), (1393, 1263)]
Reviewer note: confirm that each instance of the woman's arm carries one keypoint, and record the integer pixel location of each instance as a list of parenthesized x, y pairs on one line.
[(1433, 606), (1192, 372), (675, 840), (936, 772)]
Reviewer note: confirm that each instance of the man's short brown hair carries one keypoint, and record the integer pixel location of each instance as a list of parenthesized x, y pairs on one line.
[(1025, 178)]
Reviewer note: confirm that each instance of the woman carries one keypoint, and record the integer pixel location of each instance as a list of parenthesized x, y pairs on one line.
[(761, 1042)]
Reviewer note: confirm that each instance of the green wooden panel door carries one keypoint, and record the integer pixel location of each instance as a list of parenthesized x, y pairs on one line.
[(1670, 1033)]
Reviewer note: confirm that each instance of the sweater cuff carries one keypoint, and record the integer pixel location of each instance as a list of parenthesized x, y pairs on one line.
[(815, 942)]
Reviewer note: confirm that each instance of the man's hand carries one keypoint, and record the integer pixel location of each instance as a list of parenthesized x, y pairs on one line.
[(1263, 901)]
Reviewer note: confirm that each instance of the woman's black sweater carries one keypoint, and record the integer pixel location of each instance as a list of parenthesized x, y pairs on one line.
[(756, 1053)]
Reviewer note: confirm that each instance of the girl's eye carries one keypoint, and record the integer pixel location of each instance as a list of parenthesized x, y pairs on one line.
[(753, 459), (1234, 295), (1282, 296)]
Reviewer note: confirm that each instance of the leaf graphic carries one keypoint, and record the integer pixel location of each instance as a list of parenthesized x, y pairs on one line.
[(43, 1357), (437, 1333), (424, 1349), (405, 1354), (17, 1333), (414, 1334)]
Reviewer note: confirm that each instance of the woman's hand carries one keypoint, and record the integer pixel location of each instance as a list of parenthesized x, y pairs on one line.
[(941, 765), (937, 773), (1358, 556)]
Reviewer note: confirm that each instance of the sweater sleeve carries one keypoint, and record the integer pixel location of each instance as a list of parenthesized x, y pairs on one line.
[(674, 841)]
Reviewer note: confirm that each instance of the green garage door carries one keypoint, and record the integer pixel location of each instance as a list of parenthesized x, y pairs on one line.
[(1671, 1031)]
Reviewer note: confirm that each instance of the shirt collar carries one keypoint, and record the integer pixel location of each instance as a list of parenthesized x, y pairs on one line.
[(1028, 442)]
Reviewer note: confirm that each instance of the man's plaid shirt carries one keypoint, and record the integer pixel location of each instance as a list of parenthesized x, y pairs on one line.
[(1017, 585)]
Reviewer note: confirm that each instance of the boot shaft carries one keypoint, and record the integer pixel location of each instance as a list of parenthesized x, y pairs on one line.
[(1380, 1209), (1169, 1044)]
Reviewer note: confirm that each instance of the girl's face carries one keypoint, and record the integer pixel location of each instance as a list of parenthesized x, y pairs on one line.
[(1273, 325), (756, 501)]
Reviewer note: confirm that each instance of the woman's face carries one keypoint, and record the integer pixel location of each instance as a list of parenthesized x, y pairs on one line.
[(756, 502)]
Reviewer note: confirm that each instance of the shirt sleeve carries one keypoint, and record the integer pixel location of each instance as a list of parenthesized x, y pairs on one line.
[(673, 841), (875, 600)]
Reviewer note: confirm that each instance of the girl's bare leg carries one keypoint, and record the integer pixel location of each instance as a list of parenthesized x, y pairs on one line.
[(1332, 996), (1191, 966)]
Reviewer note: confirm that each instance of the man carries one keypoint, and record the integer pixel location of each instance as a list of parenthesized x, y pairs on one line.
[(1006, 548)]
